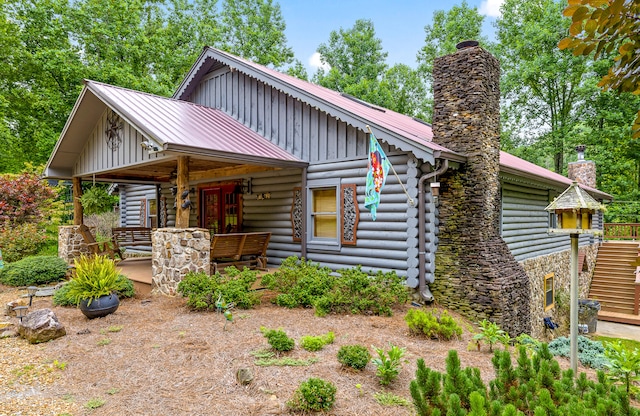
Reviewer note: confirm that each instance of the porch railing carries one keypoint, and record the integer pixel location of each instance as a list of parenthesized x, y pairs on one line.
[(621, 231)]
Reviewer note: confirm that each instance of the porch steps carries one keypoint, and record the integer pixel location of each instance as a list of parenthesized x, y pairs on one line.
[(613, 283), (138, 270)]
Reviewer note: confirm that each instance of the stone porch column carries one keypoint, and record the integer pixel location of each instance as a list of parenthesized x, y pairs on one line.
[(71, 244), (176, 252)]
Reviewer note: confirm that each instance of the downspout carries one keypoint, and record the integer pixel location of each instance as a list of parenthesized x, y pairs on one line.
[(303, 195), (422, 284)]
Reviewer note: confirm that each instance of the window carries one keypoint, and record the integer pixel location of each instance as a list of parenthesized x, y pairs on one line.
[(323, 215), (548, 291), (152, 213)]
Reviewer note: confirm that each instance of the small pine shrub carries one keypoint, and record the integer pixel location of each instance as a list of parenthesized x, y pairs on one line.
[(34, 271), (354, 356), (278, 339), (443, 327), (313, 394), (316, 343), (203, 290)]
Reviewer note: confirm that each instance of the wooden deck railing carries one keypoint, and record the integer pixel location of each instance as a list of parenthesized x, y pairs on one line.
[(621, 231)]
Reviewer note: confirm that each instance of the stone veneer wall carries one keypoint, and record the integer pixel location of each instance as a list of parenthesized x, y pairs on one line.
[(558, 263), (475, 271), (71, 244), (176, 252), (583, 172)]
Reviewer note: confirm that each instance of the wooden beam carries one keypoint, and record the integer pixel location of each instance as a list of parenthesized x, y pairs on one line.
[(182, 183), (78, 212), (232, 171)]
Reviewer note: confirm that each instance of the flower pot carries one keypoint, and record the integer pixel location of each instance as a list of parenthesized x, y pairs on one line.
[(100, 307)]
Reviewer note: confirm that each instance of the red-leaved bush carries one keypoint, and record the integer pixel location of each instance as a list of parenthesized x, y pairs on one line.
[(22, 197)]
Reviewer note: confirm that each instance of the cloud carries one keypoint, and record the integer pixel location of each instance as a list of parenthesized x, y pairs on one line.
[(315, 62), (490, 8)]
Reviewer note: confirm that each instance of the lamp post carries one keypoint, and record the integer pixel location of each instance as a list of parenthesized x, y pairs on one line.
[(572, 213), (31, 290)]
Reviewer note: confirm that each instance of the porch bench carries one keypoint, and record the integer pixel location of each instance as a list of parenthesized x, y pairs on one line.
[(131, 236), (239, 249)]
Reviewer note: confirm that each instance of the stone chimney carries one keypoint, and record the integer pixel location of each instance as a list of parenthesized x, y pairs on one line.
[(476, 274), (582, 171)]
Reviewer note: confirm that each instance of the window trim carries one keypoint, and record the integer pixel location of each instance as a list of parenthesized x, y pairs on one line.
[(317, 243), (549, 277)]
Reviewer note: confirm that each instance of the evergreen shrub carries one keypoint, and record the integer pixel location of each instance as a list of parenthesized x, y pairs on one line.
[(354, 356), (278, 339), (443, 327), (234, 286), (316, 343), (313, 394), (34, 271), (590, 353)]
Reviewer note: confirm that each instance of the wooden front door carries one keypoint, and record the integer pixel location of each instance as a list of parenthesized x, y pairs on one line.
[(220, 209)]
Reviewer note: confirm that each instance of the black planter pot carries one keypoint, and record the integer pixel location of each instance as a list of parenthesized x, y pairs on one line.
[(100, 307)]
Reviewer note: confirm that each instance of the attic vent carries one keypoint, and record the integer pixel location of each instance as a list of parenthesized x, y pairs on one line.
[(359, 101), (419, 120)]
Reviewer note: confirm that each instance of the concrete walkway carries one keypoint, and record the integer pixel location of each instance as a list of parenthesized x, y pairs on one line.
[(616, 330)]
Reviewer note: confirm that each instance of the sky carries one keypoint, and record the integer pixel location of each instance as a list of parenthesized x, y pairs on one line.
[(398, 23)]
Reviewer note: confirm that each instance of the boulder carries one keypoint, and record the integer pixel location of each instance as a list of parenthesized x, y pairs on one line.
[(8, 308), (41, 326)]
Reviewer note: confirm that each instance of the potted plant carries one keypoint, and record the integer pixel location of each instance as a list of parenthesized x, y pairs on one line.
[(94, 286)]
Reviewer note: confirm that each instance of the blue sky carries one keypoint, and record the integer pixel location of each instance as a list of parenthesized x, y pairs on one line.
[(399, 24)]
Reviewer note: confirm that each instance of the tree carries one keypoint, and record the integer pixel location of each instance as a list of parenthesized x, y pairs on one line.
[(542, 86), (356, 59), (406, 92), (254, 29), (605, 26)]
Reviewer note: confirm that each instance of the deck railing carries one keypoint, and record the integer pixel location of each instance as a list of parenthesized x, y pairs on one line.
[(621, 231)]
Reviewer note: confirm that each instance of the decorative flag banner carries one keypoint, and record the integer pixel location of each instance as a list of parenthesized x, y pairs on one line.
[(376, 176)]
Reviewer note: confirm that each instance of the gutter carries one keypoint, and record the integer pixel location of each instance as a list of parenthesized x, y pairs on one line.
[(425, 293)]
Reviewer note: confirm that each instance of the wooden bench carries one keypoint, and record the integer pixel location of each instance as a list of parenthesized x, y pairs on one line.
[(105, 248), (131, 236), (239, 249)]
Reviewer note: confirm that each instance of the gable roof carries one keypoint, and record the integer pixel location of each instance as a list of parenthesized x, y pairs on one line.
[(171, 125), (404, 132)]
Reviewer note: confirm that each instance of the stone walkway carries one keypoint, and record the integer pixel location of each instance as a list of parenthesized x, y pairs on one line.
[(616, 330)]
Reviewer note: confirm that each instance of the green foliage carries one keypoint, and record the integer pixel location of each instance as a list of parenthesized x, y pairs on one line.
[(234, 286), (96, 200), (590, 353), (354, 356), (61, 296), (442, 327), (390, 399), (316, 343), (388, 363), (278, 339), (313, 394), (304, 283), (624, 364), (18, 241), (94, 277), (536, 386), (34, 271), (24, 198), (489, 332)]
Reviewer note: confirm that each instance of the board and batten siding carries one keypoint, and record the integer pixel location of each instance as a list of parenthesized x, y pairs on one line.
[(303, 131), (525, 223), (97, 156)]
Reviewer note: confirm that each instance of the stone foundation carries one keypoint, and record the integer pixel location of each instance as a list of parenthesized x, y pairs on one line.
[(558, 263), (71, 244), (176, 252)]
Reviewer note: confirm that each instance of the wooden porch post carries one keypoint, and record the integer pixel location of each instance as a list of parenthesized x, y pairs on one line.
[(77, 205), (182, 183)]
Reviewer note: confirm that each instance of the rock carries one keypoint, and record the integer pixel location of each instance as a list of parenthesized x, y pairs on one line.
[(8, 308), (41, 326), (8, 333), (244, 376)]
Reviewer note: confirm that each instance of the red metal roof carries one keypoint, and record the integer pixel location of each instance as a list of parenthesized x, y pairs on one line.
[(175, 123)]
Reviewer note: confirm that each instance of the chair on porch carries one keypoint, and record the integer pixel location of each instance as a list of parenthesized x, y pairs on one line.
[(105, 248)]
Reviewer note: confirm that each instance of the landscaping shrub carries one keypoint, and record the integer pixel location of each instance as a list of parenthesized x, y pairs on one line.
[(388, 363), (34, 271), (316, 343), (624, 365), (490, 333), (590, 353), (313, 394), (442, 327), (203, 290), (61, 296), (278, 339), (354, 356), (358, 292), (20, 240), (536, 386)]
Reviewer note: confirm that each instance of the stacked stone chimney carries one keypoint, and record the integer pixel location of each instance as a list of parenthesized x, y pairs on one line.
[(582, 171), (476, 274)]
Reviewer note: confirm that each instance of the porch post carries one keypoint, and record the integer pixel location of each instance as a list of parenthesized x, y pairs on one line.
[(77, 205), (182, 183)]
